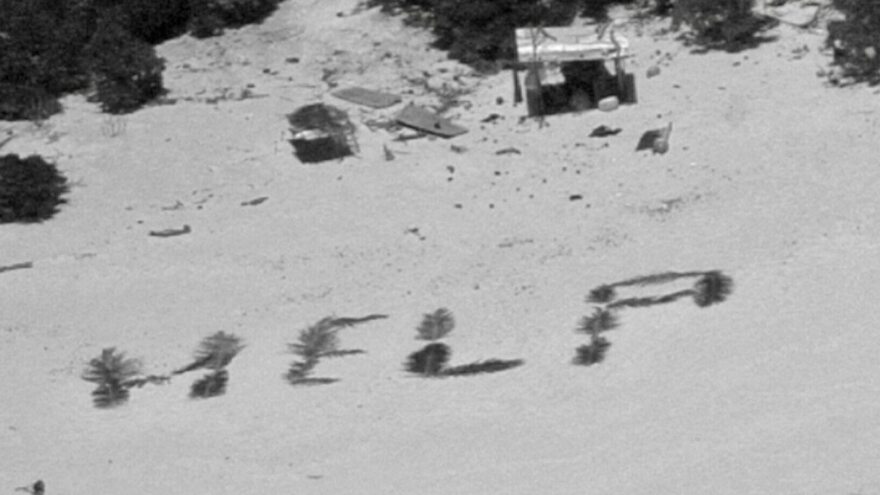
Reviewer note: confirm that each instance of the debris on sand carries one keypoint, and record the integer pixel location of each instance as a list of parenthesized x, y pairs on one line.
[(422, 119), (656, 140), (320, 133), (367, 97), (38, 488), (389, 155), (255, 201), (605, 131), (509, 151), (171, 232)]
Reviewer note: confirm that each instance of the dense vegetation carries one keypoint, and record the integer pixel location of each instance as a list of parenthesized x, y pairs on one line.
[(856, 39), (31, 189), (51, 47), (477, 32)]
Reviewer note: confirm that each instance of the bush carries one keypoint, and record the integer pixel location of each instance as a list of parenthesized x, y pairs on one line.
[(40, 41), (26, 103), (155, 21), (477, 31), (728, 22), (209, 17), (30, 189), (436, 325), (33, 47), (856, 39), (127, 72)]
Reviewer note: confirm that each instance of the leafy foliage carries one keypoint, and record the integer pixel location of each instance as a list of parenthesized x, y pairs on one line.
[(19, 102), (209, 17), (593, 353), (40, 43), (430, 360), (211, 385), (155, 21), (215, 352), (30, 189), (712, 288), (111, 372), (601, 294), (318, 341), (126, 70), (856, 39), (480, 31), (50, 47), (726, 22), (436, 325), (600, 321)]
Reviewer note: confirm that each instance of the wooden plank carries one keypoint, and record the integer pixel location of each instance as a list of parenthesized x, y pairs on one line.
[(427, 121), (367, 97)]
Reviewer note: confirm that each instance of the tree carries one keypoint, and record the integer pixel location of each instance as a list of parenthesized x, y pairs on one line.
[(856, 39)]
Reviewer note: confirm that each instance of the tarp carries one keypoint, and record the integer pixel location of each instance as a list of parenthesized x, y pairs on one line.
[(427, 121), (566, 44)]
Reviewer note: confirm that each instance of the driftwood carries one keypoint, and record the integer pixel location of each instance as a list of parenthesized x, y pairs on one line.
[(255, 202), (171, 232)]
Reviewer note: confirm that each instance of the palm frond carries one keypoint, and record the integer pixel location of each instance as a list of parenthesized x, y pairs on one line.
[(342, 353), (109, 395), (215, 352), (638, 302), (429, 361), (656, 278), (299, 370), (436, 325), (602, 294), (488, 366), (593, 353), (313, 381), (211, 385), (600, 321), (112, 367), (317, 340), (712, 288)]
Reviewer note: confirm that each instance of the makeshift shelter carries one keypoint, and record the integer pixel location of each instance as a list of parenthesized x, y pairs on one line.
[(566, 68), (321, 132)]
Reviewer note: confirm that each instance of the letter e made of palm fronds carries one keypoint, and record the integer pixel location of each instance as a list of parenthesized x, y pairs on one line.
[(214, 353)]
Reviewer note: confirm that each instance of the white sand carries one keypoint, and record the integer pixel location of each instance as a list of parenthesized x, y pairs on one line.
[(771, 177)]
